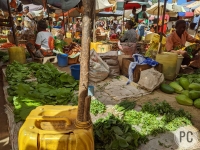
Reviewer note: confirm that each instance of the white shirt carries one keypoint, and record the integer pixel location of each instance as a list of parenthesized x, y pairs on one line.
[(44, 39)]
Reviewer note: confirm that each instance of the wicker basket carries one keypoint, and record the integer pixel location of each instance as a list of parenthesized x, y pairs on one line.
[(73, 60)]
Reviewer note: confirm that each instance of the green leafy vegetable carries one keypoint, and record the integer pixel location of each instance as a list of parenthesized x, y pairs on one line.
[(97, 107)]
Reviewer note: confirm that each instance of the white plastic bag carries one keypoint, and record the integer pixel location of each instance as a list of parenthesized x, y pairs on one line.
[(150, 79), (99, 70)]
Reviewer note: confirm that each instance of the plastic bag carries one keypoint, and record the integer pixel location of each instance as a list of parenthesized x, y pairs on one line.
[(99, 70), (150, 79)]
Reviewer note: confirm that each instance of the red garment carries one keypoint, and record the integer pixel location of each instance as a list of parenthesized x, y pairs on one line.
[(164, 28)]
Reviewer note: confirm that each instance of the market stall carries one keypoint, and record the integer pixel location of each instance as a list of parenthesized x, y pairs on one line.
[(83, 69)]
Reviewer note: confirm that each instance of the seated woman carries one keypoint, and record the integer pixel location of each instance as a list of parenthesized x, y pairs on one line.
[(130, 35), (115, 31), (44, 44), (176, 41)]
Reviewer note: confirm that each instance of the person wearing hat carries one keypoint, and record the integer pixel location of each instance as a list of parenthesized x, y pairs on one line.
[(44, 44)]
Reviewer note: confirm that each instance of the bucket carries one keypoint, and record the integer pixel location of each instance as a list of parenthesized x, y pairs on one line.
[(62, 60), (17, 53), (75, 71), (179, 62), (90, 90)]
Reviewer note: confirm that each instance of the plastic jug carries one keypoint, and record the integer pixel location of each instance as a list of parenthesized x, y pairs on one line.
[(93, 45), (53, 128), (169, 62), (17, 53)]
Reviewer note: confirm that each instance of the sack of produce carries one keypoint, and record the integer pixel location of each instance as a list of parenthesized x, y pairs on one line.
[(99, 70), (150, 79)]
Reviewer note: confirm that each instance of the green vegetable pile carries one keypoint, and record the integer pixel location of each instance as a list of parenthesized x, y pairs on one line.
[(112, 133), (134, 127), (97, 107), (59, 44), (125, 106), (4, 57), (50, 87)]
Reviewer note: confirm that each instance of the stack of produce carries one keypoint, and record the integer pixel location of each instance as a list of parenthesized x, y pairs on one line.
[(72, 49), (189, 93), (3, 40)]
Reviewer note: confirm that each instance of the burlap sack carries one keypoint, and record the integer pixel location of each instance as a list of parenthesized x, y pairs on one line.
[(109, 55), (99, 70), (114, 71), (111, 62), (150, 79)]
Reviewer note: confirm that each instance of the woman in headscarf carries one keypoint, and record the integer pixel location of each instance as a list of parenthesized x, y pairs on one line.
[(44, 44)]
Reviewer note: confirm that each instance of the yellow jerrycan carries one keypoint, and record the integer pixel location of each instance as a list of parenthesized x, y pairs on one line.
[(54, 128), (169, 62), (17, 53)]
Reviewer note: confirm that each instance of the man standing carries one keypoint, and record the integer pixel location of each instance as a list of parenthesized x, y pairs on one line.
[(142, 16)]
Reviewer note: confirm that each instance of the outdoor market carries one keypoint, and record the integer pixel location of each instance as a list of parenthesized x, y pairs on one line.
[(100, 75)]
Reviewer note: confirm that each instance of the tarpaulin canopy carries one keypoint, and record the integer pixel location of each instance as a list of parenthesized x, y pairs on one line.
[(102, 4), (33, 7), (108, 14), (129, 5)]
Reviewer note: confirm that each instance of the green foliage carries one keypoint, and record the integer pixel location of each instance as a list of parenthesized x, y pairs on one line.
[(134, 127), (125, 106), (52, 87), (111, 133), (97, 107)]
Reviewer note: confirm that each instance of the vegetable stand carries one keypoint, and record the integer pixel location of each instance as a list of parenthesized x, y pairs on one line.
[(66, 126)]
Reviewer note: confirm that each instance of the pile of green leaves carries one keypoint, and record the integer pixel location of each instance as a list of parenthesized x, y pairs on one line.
[(52, 87), (59, 44), (4, 57), (125, 106), (157, 118), (97, 107), (111, 133), (17, 73)]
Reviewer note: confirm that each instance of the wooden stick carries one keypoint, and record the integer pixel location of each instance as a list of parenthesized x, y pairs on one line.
[(163, 19), (87, 109), (12, 23), (158, 15), (85, 57)]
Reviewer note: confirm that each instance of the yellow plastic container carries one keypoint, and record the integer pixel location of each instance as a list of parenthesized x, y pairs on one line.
[(103, 48), (169, 62), (93, 45), (17, 53), (53, 128)]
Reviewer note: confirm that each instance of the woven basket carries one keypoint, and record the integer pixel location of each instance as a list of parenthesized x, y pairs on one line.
[(73, 60)]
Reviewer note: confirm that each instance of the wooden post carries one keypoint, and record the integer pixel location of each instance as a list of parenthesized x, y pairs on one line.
[(85, 57), (94, 22), (64, 22), (123, 19), (163, 19), (45, 5), (12, 23), (158, 15)]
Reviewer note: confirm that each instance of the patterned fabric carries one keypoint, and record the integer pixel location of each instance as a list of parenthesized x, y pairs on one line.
[(129, 36)]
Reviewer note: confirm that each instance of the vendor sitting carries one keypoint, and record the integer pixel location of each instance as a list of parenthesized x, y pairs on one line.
[(44, 44), (176, 41), (130, 35), (115, 31)]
